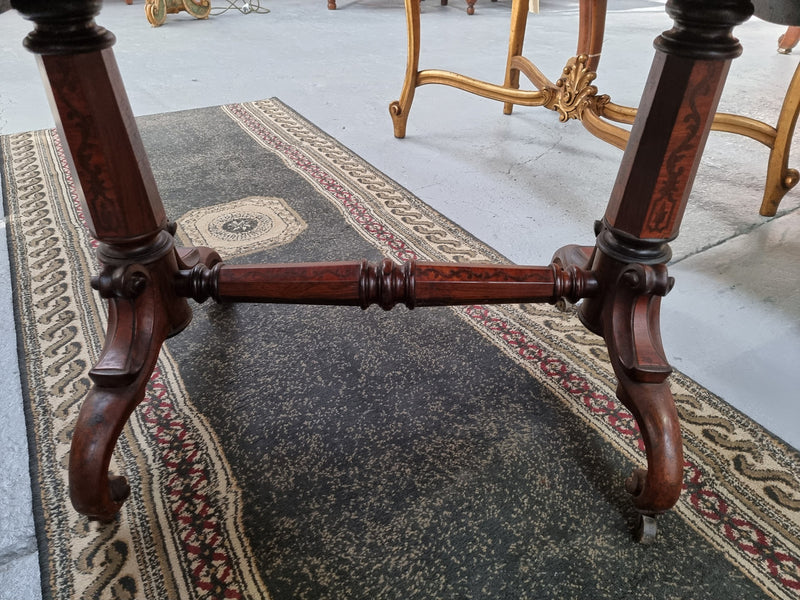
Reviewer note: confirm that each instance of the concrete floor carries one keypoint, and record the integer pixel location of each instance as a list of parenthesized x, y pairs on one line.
[(526, 184)]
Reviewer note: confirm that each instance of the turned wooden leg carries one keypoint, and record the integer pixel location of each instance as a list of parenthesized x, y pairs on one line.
[(399, 109)]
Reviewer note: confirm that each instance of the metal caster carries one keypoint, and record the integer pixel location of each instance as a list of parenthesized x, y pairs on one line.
[(646, 530)]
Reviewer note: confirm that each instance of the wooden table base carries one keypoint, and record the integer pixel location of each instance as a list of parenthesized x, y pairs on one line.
[(147, 281), (573, 96)]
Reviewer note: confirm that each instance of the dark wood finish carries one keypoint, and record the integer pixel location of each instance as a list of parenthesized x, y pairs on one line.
[(643, 215), (146, 279), (385, 284), (125, 214)]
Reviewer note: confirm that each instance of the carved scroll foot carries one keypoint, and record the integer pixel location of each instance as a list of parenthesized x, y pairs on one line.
[(93, 490), (632, 332), (156, 11), (657, 489), (626, 314), (399, 114), (137, 327)]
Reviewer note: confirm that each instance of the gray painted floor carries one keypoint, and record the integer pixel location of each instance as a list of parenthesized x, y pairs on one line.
[(526, 183)]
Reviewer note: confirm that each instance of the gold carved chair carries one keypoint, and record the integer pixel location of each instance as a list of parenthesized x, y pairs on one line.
[(573, 95)]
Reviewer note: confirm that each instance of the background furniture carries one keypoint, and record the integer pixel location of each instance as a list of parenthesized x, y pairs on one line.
[(574, 96)]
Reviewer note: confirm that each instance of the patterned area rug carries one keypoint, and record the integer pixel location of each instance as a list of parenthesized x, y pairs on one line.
[(328, 452)]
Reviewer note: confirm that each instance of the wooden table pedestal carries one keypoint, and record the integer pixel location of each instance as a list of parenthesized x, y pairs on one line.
[(148, 281)]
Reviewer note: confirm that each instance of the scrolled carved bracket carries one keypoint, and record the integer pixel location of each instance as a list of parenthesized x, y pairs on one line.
[(122, 281), (636, 329), (130, 331), (574, 92)]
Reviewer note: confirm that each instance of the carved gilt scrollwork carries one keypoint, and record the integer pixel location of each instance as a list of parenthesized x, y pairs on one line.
[(574, 92)]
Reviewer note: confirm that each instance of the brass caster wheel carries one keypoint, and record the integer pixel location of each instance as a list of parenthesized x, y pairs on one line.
[(646, 530)]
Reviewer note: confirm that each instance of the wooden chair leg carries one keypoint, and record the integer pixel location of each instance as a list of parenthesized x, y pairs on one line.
[(789, 40)]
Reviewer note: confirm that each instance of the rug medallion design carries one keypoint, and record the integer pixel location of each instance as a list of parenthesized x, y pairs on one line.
[(241, 227), (330, 460)]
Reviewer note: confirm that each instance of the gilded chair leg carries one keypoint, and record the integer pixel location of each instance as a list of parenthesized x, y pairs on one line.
[(399, 109), (780, 178), (519, 20)]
